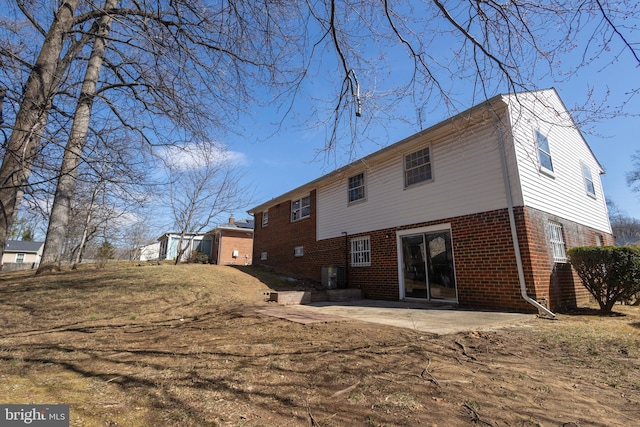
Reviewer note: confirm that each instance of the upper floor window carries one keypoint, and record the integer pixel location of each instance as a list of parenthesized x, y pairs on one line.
[(19, 257), (298, 251), (417, 167), (361, 252), (265, 219), (544, 152), (356, 188), (588, 181), (301, 208), (557, 242)]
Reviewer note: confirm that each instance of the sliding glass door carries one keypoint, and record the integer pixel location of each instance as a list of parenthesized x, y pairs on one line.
[(427, 265)]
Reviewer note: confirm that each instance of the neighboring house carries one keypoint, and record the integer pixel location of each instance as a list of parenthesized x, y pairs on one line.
[(19, 255), (232, 242), (150, 252), (200, 242), (477, 210)]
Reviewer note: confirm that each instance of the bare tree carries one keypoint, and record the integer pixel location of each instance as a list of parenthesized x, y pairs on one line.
[(133, 237), (166, 66), (182, 70), (35, 105), (204, 183), (633, 176), (68, 173), (626, 229)]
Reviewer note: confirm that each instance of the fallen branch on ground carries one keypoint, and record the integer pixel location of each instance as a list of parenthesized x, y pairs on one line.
[(475, 417)]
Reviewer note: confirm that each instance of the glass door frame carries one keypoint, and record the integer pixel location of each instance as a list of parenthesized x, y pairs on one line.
[(400, 262)]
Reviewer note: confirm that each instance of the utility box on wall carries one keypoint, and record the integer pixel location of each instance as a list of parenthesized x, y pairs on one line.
[(334, 277)]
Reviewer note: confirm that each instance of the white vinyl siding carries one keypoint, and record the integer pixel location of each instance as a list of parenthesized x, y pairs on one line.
[(467, 179), (564, 196), (467, 174), (557, 242), (361, 252)]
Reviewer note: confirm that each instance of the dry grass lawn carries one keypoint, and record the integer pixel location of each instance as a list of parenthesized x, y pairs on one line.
[(184, 346)]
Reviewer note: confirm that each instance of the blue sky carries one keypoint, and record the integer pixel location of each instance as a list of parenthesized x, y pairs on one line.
[(289, 158)]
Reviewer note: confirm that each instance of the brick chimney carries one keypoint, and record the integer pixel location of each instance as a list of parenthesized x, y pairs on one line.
[(232, 220)]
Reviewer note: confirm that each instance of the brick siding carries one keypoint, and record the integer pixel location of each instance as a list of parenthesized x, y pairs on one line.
[(485, 261), (230, 240)]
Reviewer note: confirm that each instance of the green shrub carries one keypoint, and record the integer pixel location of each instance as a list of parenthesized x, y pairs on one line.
[(198, 257), (104, 254), (610, 273)]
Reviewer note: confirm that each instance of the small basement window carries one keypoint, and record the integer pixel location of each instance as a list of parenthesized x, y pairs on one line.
[(557, 242), (361, 252)]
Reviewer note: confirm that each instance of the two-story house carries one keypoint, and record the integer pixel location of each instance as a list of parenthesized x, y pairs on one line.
[(477, 210)]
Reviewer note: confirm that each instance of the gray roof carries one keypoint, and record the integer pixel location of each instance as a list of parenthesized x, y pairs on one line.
[(243, 224), (20, 246)]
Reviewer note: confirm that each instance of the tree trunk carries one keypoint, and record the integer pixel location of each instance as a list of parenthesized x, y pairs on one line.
[(31, 118), (61, 208), (85, 230)]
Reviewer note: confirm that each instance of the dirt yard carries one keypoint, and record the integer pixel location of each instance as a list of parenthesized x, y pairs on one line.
[(184, 346)]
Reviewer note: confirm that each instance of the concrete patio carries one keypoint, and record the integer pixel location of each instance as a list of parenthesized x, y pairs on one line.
[(421, 317)]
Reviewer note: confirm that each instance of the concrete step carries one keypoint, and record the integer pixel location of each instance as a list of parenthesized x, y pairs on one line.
[(307, 297)]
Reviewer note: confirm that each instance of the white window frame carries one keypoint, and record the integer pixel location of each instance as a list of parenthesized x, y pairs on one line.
[(361, 251), (589, 184), (544, 151), (557, 242), (415, 161), (298, 251), (300, 209), (263, 256), (359, 191), (20, 256), (265, 219)]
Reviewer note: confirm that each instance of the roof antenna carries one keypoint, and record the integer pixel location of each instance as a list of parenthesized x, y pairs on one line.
[(357, 93)]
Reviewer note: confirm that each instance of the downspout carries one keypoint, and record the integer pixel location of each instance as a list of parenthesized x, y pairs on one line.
[(512, 223), (346, 259)]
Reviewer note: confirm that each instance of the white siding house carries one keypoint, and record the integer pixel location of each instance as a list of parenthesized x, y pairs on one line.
[(477, 210), (169, 242)]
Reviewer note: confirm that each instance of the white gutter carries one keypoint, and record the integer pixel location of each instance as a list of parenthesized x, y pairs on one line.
[(512, 222)]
